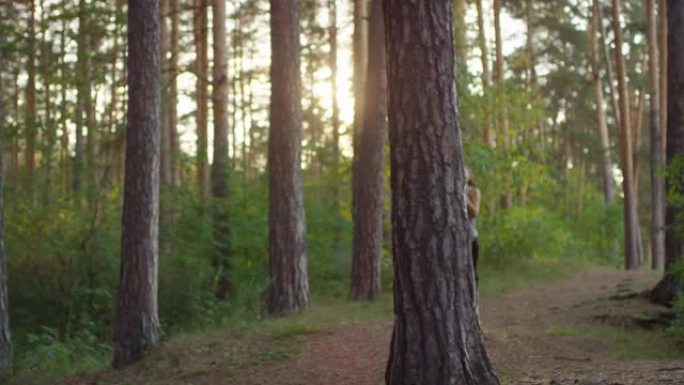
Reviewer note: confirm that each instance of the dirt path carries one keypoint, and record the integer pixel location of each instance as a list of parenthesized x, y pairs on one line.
[(519, 339), (524, 333)]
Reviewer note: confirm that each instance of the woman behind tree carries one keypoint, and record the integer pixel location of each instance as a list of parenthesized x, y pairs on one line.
[(473, 195)]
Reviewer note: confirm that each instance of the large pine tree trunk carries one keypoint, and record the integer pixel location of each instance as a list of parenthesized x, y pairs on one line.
[(437, 337), (202, 70), (5, 338), (136, 327), (220, 167), (602, 126), (288, 290), (669, 287), (368, 168), (657, 155), (630, 211)]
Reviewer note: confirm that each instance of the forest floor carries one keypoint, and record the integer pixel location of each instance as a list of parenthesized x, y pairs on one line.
[(592, 328)]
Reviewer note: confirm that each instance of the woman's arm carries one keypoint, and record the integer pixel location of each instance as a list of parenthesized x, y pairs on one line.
[(473, 202)]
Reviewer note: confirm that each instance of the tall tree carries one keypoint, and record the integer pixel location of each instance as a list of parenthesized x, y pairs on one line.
[(82, 87), (489, 134), (202, 70), (136, 327), (173, 93), (499, 72), (628, 187), (220, 167), (460, 44), (435, 296), (335, 119), (670, 286), (601, 121), (502, 110), (360, 56), (657, 155), (368, 168), (288, 289), (31, 122), (5, 337), (164, 44), (662, 42)]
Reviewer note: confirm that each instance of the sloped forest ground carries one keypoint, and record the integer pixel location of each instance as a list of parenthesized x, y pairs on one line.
[(593, 328)]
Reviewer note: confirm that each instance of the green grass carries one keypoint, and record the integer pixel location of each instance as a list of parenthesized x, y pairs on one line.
[(501, 280), (628, 344), (277, 338)]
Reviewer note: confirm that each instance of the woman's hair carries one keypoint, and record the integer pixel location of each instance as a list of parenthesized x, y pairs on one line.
[(468, 176)]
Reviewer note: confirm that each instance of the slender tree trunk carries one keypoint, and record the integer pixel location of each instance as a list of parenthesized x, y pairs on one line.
[(164, 43), (360, 56), (609, 68), (220, 167), (671, 286), (500, 81), (64, 139), (335, 190), (630, 211), (663, 73), (437, 337), (136, 328), (601, 123), (368, 168), (49, 126), (174, 143), (288, 289), (502, 113), (81, 85), (15, 139), (461, 46), (31, 124), (5, 337), (489, 134), (202, 70)]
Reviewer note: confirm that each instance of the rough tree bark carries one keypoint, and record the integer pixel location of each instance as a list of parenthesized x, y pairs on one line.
[(202, 70), (5, 337), (288, 289), (368, 168), (630, 211), (657, 155), (136, 327), (220, 167), (597, 82), (437, 337), (669, 287)]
